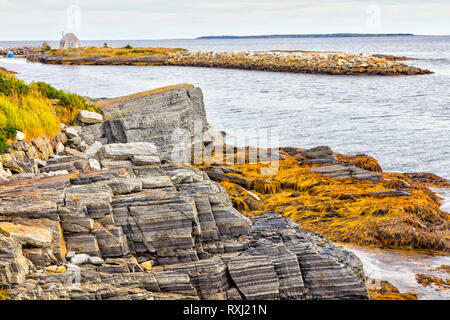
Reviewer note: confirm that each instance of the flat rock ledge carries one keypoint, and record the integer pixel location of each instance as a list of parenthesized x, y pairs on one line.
[(145, 230)]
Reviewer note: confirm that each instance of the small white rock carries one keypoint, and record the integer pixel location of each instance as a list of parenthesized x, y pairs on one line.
[(80, 258), (20, 136), (71, 132), (90, 117), (94, 164)]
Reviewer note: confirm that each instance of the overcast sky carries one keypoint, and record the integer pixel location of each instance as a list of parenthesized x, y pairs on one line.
[(175, 19)]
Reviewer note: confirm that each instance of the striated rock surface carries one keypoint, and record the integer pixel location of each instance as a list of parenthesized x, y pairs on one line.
[(110, 234), (164, 117)]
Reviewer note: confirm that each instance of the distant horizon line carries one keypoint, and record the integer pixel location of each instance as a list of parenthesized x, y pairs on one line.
[(268, 36)]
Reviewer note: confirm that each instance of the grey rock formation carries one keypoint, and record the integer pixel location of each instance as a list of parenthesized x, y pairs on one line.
[(165, 117), (89, 117), (346, 170), (199, 245), (126, 223)]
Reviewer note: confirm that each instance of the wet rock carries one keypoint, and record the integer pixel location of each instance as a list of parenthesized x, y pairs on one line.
[(346, 170), (319, 153), (218, 175)]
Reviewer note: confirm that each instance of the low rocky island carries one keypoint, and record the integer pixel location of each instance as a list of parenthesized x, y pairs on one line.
[(333, 63), (99, 209)]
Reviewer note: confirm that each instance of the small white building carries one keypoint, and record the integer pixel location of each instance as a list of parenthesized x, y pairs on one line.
[(69, 41)]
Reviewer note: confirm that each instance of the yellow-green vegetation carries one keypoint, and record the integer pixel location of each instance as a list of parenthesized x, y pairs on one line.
[(2, 294), (35, 109), (347, 210), (126, 51)]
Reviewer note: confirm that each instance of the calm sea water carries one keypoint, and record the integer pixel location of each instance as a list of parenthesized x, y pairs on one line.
[(402, 121)]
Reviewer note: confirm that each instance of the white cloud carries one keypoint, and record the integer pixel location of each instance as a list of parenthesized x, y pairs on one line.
[(156, 19)]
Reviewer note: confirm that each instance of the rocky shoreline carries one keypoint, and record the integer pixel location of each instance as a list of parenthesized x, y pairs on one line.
[(332, 63), (101, 211), (120, 221)]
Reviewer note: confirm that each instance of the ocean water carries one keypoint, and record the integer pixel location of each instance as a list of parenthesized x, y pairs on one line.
[(400, 269), (403, 121)]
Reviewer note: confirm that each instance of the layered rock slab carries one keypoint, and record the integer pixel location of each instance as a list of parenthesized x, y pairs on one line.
[(165, 117), (200, 246)]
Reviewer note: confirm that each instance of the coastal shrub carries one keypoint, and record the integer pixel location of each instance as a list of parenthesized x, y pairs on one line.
[(3, 295), (10, 132), (128, 46), (3, 146), (265, 186), (144, 51), (30, 109), (68, 105), (46, 47), (32, 114), (10, 85)]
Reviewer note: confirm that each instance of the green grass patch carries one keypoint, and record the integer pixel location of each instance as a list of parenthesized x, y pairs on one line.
[(37, 109)]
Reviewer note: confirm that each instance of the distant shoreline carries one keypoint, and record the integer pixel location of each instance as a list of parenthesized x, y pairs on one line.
[(325, 35), (335, 63)]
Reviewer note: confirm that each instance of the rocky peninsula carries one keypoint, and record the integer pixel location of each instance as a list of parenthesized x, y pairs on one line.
[(333, 63), (102, 211)]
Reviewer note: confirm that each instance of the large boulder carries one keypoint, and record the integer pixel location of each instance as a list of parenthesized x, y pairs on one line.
[(166, 117), (89, 117)]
